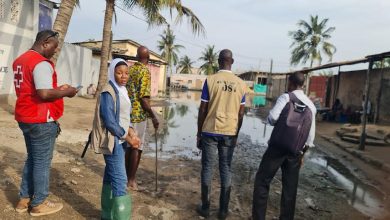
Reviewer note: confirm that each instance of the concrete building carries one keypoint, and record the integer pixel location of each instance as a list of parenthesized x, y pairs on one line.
[(349, 88), (188, 81), (20, 21), (272, 89), (127, 49)]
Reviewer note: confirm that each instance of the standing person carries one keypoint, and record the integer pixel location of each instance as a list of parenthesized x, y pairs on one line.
[(336, 111), (219, 120), (368, 111), (111, 130), (139, 92), (294, 119), (39, 105)]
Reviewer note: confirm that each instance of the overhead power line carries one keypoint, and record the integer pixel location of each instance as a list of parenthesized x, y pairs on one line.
[(127, 12)]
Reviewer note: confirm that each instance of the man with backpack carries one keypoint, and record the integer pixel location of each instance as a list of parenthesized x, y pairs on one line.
[(294, 119)]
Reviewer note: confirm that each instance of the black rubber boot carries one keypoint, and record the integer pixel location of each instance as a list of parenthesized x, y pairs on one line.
[(204, 208), (224, 202)]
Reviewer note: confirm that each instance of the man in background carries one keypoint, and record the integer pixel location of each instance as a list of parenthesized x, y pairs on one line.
[(138, 88)]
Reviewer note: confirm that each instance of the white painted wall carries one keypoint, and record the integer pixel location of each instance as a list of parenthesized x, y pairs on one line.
[(18, 29), (76, 66), (17, 33), (192, 81)]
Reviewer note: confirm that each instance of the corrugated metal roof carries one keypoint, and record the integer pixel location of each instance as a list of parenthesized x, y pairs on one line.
[(373, 57), (136, 44)]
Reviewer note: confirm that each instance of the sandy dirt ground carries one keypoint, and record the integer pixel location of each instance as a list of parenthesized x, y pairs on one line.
[(77, 182)]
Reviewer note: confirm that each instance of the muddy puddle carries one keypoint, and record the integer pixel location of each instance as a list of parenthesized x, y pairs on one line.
[(178, 137), (363, 197), (177, 140)]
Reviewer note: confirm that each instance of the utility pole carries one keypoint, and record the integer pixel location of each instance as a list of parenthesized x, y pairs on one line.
[(166, 78), (307, 89), (269, 81)]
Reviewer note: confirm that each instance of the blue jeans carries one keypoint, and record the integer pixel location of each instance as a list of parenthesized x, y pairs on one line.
[(115, 171), (40, 139), (225, 147)]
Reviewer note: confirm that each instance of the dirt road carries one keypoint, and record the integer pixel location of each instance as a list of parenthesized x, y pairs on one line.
[(77, 182)]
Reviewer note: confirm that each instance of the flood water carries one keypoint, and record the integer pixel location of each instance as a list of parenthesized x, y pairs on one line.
[(178, 140)]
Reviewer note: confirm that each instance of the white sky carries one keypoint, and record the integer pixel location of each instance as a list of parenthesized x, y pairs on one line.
[(255, 31)]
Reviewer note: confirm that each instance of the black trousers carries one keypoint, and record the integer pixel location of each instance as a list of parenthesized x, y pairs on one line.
[(290, 165)]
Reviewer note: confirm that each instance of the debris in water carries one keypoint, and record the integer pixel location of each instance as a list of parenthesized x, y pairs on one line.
[(310, 204)]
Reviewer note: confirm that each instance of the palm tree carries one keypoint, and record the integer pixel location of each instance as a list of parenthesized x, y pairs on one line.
[(61, 23), (169, 48), (182, 110), (311, 40), (210, 59), (185, 64), (151, 11)]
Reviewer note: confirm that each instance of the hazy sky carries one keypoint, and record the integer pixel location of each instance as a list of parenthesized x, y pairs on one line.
[(255, 31)]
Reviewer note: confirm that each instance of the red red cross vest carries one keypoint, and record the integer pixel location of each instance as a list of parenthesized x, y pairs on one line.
[(30, 108)]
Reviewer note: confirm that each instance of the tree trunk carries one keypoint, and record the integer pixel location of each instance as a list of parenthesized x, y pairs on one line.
[(105, 45), (366, 93), (61, 23)]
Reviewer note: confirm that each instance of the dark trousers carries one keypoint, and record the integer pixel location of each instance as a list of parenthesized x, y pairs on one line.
[(272, 160)]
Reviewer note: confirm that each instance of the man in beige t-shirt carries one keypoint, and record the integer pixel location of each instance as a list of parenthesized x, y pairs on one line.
[(219, 121)]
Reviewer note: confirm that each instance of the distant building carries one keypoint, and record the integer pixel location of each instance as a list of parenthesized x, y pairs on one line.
[(127, 49), (188, 81), (258, 81)]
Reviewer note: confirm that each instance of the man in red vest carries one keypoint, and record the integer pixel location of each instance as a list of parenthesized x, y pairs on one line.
[(39, 105)]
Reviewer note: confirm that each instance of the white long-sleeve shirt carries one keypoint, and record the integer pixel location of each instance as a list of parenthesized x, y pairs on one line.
[(281, 103)]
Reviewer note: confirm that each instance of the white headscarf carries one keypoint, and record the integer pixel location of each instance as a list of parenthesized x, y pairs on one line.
[(111, 72)]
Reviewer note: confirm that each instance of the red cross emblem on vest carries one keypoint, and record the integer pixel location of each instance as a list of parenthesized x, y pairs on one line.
[(18, 76)]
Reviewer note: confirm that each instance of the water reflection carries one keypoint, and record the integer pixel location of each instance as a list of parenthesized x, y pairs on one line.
[(177, 138), (185, 96), (362, 197)]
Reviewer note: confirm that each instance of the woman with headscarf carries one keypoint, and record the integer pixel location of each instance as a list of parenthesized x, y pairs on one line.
[(111, 134)]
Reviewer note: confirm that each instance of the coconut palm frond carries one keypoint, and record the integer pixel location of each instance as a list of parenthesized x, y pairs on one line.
[(310, 41)]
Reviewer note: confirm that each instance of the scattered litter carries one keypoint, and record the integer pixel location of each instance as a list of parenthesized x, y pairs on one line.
[(75, 170), (312, 206)]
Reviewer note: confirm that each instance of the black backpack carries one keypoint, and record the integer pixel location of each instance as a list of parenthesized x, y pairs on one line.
[(292, 128)]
